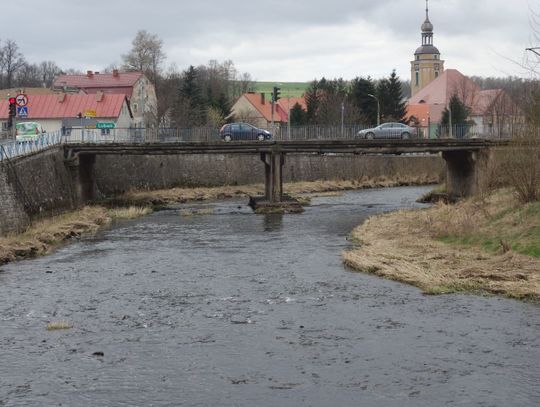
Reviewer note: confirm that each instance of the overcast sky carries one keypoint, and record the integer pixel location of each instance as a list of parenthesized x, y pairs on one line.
[(294, 40)]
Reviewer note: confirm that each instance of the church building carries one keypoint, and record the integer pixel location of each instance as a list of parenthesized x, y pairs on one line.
[(427, 64)]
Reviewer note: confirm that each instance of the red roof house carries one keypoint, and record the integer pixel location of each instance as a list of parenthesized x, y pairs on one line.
[(256, 108)]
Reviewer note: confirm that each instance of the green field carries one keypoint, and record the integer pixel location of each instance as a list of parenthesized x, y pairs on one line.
[(291, 89)]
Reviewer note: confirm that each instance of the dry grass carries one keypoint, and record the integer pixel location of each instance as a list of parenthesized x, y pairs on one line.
[(182, 195), (412, 246), (53, 326), (43, 236), (131, 212), (196, 212)]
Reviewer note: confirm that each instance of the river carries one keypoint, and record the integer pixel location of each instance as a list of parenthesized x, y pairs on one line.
[(238, 309)]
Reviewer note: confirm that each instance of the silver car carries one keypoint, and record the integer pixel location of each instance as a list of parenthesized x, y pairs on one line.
[(388, 130)]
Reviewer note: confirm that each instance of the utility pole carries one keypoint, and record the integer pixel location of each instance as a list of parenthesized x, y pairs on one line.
[(342, 115)]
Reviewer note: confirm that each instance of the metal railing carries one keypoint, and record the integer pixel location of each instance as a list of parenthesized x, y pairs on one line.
[(11, 149)]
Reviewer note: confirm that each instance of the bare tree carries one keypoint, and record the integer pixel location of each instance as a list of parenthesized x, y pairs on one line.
[(146, 55), (49, 71), (12, 61)]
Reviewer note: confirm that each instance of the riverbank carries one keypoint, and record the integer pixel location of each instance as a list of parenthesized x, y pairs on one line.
[(45, 235), (481, 245), (164, 197)]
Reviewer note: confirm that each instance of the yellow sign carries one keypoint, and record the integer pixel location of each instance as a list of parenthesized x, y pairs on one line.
[(89, 113)]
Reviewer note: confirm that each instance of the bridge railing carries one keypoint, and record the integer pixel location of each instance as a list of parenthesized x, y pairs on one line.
[(11, 149)]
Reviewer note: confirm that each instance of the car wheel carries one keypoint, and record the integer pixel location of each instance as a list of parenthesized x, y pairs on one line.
[(405, 136), (227, 137), (370, 136), (260, 137)]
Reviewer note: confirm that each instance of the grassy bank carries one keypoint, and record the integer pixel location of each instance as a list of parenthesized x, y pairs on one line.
[(489, 245), (45, 235)]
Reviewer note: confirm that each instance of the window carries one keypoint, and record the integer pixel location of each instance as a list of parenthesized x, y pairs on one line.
[(417, 79), (435, 56), (418, 57), (436, 74), (105, 132)]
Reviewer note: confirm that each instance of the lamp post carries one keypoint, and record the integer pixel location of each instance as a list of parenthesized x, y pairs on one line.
[(378, 108)]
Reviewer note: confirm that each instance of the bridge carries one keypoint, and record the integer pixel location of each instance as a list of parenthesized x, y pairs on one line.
[(466, 159)]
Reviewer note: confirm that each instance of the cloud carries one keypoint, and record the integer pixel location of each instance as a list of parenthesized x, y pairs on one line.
[(276, 40)]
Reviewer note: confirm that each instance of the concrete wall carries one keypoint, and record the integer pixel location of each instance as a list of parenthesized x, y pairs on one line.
[(115, 174), (38, 184), (43, 183)]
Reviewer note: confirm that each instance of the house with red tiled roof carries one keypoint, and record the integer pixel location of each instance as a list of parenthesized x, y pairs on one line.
[(140, 92), (491, 110), (54, 111), (257, 109)]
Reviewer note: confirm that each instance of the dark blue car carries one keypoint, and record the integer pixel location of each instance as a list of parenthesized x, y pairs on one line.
[(243, 131)]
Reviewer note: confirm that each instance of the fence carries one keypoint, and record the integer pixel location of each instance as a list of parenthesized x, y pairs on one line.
[(11, 149)]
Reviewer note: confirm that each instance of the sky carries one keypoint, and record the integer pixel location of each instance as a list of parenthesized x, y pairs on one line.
[(280, 41)]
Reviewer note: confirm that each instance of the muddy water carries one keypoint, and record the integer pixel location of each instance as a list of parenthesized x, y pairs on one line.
[(236, 309)]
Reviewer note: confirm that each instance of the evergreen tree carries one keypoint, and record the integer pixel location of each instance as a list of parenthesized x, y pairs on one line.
[(299, 116), (395, 110), (364, 104), (312, 102), (456, 114)]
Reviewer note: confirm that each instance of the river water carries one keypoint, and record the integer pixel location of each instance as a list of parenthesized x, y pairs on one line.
[(238, 309)]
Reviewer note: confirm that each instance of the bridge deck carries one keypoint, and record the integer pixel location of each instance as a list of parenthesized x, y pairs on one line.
[(312, 146)]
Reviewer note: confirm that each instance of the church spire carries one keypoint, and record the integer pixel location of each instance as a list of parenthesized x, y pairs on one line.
[(427, 29)]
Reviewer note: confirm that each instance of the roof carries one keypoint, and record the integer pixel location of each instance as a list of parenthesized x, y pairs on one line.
[(53, 107), (98, 80), (451, 81), (288, 103), (5, 93), (265, 109)]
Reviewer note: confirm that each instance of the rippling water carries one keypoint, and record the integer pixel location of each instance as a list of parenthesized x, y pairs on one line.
[(237, 309)]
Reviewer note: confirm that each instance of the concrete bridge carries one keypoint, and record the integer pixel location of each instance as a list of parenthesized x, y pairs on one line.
[(466, 159)]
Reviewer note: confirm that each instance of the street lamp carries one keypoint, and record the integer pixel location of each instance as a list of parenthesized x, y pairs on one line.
[(378, 108)]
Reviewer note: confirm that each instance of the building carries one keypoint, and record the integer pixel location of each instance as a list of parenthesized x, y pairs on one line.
[(140, 92), (256, 109), (492, 111), (427, 64), (54, 111)]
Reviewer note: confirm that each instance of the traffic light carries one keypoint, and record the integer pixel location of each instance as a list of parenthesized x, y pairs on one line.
[(12, 111), (275, 95)]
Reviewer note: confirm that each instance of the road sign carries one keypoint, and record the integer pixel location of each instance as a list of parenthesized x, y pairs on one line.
[(22, 111), (21, 100), (105, 125)]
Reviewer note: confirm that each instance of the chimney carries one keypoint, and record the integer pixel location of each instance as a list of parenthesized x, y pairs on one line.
[(262, 98), (99, 96), (89, 74), (115, 73)]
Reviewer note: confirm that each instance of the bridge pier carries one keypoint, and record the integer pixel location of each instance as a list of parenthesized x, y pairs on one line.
[(273, 172), (83, 176), (466, 172)]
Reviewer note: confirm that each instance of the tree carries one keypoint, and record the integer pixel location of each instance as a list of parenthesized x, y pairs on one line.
[(456, 112), (146, 55), (391, 100), (365, 105), (298, 116), (10, 63)]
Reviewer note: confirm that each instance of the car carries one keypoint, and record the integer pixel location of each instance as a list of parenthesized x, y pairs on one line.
[(388, 130), (28, 131), (243, 131)]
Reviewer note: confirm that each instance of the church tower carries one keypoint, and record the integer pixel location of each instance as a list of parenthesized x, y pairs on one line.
[(427, 64)]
